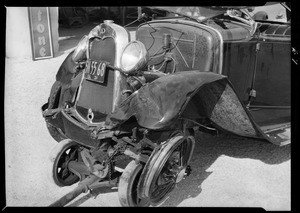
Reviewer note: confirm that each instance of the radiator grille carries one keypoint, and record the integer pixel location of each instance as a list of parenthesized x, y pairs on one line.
[(98, 96)]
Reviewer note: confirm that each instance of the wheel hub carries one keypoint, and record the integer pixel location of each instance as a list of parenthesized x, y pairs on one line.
[(180, 175)]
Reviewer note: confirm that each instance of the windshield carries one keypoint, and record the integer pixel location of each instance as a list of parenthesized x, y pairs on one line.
[(198, 13), (273, 11)]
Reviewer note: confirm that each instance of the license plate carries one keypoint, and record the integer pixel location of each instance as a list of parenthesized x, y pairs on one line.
[(95, 71)]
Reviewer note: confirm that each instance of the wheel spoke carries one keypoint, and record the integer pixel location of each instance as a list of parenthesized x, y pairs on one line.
[(65, 172), (172, 165), (64, 165), (169, 186), (169, 176), (73, 154), (67, 158), (184, 154), (166, 182), (162, 190)]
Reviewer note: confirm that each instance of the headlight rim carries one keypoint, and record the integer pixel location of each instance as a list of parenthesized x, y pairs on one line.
[(142, 59)]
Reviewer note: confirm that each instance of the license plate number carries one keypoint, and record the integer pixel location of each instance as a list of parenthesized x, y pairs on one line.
[(95, 71)]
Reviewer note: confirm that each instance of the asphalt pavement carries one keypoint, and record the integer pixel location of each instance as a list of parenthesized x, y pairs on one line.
[(226, 172)]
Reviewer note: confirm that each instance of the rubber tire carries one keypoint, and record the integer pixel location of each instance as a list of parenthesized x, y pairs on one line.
[(54, 157), (128, 181), (160, 161)]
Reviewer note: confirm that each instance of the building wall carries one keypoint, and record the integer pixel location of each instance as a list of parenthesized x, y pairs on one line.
[(18, 40)]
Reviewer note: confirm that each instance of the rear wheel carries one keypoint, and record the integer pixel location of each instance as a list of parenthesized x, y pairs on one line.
[(127, 188)]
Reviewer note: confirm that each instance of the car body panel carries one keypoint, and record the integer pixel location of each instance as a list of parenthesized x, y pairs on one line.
[(196, 47), (216, 65), (273, 74), (239, 65), (189, 95)]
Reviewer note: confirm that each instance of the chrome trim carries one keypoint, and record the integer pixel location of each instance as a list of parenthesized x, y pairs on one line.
[(121, 37), (279, 126), (269, 107), (279, 38), (285, 6)]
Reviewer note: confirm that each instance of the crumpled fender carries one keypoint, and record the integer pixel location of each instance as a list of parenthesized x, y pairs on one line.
[(65, 85), (66, 70), (198, 94)]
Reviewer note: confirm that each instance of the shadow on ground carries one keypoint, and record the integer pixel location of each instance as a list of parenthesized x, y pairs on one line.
[(93, 195), (207, 150)]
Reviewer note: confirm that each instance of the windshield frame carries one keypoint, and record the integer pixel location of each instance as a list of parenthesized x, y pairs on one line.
[(179, 11)]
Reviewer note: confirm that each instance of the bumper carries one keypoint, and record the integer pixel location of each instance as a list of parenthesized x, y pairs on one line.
[(70, 127)]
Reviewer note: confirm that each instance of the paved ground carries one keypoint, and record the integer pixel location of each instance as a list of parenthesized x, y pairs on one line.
[(226, 172)]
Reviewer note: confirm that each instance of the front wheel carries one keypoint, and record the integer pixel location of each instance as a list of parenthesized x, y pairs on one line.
[(64, 152), (127, 188), (167, 167)]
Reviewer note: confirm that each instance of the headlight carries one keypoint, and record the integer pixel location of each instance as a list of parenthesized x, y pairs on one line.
[(134, 57), (80, 51)]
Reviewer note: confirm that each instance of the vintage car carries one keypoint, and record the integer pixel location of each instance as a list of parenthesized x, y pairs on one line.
[(125, 111)]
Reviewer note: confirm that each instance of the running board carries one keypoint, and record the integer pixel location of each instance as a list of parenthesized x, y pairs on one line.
[(279, 134)]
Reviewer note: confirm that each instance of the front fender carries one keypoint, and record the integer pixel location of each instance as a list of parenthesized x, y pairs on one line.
[(64, 87), (189, 94), (66, 70)]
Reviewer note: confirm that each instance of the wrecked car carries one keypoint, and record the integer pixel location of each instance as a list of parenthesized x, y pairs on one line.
[(124, 111)]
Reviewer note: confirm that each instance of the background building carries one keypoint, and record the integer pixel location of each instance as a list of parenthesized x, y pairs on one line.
[(21, 25), (68, 24)]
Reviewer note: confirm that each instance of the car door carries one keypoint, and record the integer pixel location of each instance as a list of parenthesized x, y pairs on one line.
[(271, 83), (273, 68)]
